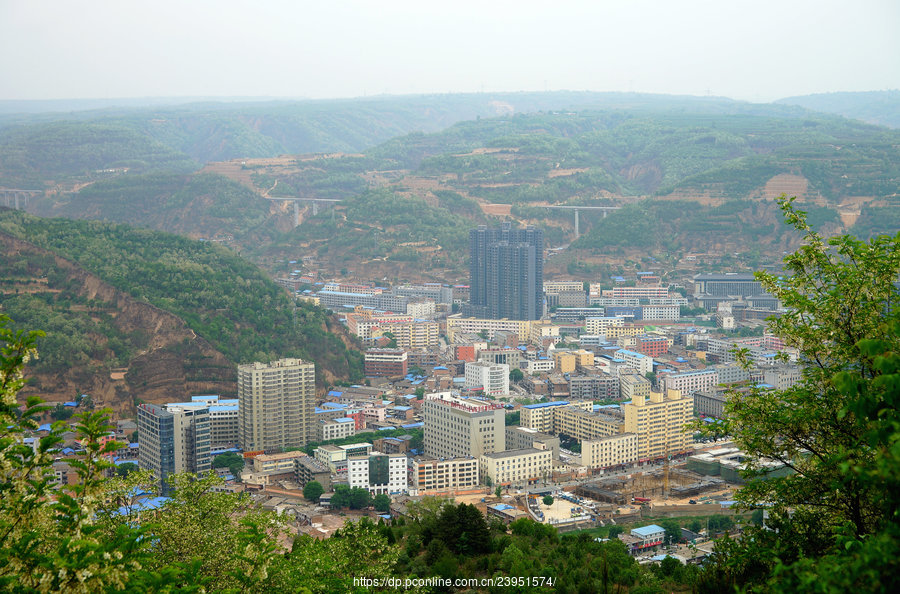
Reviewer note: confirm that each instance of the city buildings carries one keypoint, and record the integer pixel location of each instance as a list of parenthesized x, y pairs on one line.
[(613, 450), (506, 272), (277, 403), (659, 422), (518, 438), (223, 418), (378, 473), (492, 378), (432, 475), (456, 426), (173, 442), (692, 381), (386, 362), (516, 467)]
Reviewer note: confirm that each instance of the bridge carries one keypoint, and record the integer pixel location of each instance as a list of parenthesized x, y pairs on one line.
[(297, 200), (15, 197), (604, 209)]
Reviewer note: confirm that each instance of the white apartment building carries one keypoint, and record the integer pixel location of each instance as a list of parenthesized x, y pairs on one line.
[(640, 362), (378, 473), (460, 325), (641, 292), (689, 382), (601, 325), (606, 452), (223, 418), (540, 365), (336, 428), (562, 286), (429, 475), (457, 426), (664, 313), (421, 309), (516, 467), (493, 378)]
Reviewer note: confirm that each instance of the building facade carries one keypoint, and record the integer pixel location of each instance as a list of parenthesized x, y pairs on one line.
[(516, 467), (607, 452), (378, 473), (277, 404), (506, 272), (443, 475), (456, 426), (173, 442), (492, 378), (659, 422)]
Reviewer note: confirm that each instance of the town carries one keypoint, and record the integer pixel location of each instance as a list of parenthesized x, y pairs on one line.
[(575, 404)]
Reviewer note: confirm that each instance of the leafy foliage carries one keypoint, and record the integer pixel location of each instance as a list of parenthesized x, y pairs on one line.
[(834, 520)]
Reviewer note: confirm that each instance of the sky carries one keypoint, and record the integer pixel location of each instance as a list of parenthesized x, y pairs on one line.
[(756, 50)]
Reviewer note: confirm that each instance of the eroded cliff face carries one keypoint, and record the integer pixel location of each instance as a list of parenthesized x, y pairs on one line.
[(175, 363)]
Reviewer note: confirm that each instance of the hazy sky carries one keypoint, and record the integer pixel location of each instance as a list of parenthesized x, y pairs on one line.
[(756, 50)]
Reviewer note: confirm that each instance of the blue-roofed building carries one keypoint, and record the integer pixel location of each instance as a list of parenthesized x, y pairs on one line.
[(143, 505), (649, 537), (223, 417)]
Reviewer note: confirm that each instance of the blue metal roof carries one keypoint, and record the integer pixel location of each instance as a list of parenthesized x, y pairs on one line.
[(546, 404), (334, 393), (412, 425), (143, 505), (648, 530)]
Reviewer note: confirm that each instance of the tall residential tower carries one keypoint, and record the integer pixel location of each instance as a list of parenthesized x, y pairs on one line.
[(277, 401), (506, 272)]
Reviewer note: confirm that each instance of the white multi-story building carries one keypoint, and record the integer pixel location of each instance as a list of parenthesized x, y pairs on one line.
[(640, 362), (539, 365), (223, 418), (456, 426), (443, 475), (378, 473), (606, 452), (336, 428), (493, 378), (562, 286), (689, 382), (666, 313), (517, 467)]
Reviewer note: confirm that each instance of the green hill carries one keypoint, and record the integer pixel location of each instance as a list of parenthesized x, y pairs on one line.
[(875, 107), (226, 300), (33, 155), (200, 205)]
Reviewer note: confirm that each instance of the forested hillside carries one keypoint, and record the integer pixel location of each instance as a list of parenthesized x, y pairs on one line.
[(204, 205), (226, 301), (874, 107), (407, 203)]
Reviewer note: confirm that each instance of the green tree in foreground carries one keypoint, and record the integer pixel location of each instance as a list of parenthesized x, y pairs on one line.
[(836, 518)]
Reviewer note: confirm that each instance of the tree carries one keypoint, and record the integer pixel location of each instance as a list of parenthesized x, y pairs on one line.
[(835, 516), (615, 531), (124, 470), (231, 460), (498, 491), (548, 500), (382, 503), (516, 375), (313, 490)]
